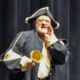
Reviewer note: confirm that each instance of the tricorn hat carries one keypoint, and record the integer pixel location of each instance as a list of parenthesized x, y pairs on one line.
[(42, 11)]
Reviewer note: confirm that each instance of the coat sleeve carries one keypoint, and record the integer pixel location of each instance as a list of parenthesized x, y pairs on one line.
[(59, 52), (12, 56)]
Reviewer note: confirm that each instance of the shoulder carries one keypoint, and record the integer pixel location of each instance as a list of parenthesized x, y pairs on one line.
[(21, 37), (28, 32), (25, 33)]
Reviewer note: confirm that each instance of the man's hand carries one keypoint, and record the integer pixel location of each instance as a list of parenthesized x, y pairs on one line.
[(49, 33), (46, 33), (26, 63), (49, 36)]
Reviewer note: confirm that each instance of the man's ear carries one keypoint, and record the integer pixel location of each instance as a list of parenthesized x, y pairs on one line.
[(34, 25)]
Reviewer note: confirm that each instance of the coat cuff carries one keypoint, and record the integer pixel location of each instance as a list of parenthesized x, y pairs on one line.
[(51, 40)]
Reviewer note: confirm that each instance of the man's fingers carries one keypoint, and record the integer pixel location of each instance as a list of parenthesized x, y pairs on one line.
[(26, 62), (30, 65), (50, 30)]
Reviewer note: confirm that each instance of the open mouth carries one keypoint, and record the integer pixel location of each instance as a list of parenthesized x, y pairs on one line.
[(44, 26)]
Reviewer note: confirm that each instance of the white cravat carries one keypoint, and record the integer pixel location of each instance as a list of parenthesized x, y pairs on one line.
[(44, 67)]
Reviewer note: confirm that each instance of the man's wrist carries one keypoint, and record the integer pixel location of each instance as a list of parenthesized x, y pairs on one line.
[(51, 40), (23, 68)]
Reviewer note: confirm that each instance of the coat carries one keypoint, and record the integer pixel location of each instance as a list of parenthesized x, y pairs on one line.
[(23, 44)]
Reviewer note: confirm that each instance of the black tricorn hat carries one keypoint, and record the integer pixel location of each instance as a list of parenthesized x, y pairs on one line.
[(42, 11)]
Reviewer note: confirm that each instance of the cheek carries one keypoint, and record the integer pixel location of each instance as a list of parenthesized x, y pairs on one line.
[(38, 25), (48, 23)]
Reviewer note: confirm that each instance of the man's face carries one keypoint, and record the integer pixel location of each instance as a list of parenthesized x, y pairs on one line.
[(42, 23)]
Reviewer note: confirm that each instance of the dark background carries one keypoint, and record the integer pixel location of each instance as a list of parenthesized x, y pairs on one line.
[(66, 12)]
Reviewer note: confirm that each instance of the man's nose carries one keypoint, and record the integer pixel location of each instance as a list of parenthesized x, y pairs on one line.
[(44, 22)]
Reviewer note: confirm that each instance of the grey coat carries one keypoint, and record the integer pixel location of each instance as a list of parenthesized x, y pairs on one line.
[(28, 41)]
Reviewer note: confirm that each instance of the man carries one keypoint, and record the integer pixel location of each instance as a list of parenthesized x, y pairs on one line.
[(42, 38)]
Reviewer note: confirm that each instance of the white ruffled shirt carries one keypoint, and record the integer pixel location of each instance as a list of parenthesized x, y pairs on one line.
[(45, 64)]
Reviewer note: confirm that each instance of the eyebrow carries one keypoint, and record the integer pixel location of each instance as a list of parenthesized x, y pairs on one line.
[(44, 19)]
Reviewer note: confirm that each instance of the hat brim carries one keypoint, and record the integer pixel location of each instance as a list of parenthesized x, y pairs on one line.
[(42, 11)]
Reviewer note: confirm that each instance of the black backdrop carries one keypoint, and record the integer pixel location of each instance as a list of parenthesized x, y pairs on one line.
[(66, 12)]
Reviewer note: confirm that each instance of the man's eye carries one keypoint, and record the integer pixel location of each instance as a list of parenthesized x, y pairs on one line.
[(44, 20), (40, 20), (47, 21)]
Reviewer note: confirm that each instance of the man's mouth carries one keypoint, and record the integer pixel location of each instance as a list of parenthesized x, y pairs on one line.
[(43, 27)]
